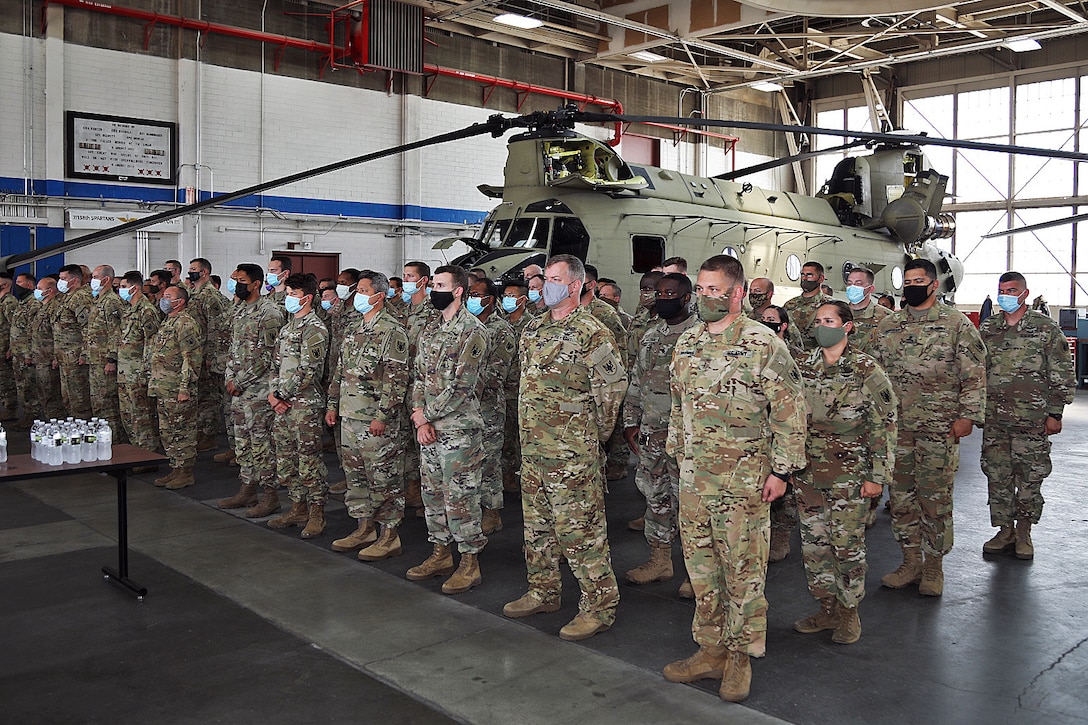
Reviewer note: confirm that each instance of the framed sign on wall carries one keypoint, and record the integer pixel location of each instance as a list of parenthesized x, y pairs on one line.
[(112, 148)]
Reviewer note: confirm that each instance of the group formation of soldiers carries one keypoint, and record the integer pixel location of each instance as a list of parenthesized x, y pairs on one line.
[(443, 389)]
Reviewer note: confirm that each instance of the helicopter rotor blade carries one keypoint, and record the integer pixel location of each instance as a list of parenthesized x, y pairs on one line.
[(1041, 225), (775, 163)]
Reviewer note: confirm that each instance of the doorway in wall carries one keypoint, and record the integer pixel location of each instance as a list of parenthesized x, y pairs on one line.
[(319, 264)]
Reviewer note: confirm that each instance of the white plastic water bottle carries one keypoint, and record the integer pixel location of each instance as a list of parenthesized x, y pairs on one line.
[(3, 445), (88, 446), (71, 453), (105, 441), (36, 440), (55, 451)]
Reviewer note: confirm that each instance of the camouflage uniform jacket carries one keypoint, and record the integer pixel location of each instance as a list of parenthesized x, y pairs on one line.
[(851, 419), (103, 334), (644, 319), (937, 365), (299, 359), (625, 318), (648, 402), (9, 308), (42, 345), (1029, 371), (499, 376), (445, 380), (415, 319), (803, 313), (572, 386), (793, 335), (738, 408), (139, 323), (611, 319), (70, 320), (208, 307), (370, 381), (21, 322), (866, 321), (174, 356), (255, 329)]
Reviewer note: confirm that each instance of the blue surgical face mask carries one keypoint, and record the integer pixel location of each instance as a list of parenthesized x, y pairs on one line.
[(39, 295), (272, 279), (554, 293), (509, 304), (1009, 303), (855, 294), (166, 305), (232, 285), (326, 305), (474, 305), (534, 296), (96, 286), (62, 286), (293, 304), (362, 304), (409, 289), (126, 293), (390, 293)]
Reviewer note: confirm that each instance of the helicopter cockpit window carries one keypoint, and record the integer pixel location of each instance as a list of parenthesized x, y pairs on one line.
[(570, 237), (523, 233), (647, 252)]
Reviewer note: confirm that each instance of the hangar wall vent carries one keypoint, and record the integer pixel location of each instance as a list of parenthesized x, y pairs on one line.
[(384, 34)]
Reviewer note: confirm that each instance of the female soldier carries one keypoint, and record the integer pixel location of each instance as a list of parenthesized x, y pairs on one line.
[(851, 451), (778, 320)]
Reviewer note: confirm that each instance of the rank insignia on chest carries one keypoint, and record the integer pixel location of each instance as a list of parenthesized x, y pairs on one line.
[(737, 353)]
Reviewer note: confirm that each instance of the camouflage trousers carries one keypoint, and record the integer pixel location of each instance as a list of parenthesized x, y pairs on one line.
[(833, 540), (563, 507), (251, 431), (493, 412), (47, 386), (300, 464), (726, 541), (657, 478), (210, 393), (410, 457), (105, 400), (177, 429), (9, 391), (450, 469), (617, 454), (27, 385), (511, 441), (784, 511), (921, 491), (138, 415), (75, 390), (372, 467), (1015, 462)]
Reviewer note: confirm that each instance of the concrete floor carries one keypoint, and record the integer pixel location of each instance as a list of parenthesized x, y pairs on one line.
[(246, 624)]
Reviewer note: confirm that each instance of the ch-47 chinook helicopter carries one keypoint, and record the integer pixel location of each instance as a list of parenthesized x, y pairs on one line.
[(566, 193)]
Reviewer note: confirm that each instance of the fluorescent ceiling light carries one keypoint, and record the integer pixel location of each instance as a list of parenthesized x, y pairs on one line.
[(518, 21), (1022, 45), (767, 86), (647, 56)]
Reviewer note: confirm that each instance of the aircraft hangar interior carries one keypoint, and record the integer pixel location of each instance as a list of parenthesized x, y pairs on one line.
[(367, 134)]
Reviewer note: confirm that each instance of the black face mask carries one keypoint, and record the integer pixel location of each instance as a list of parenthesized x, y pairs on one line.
[(774, 326), (667, 309), (19, 292), (916, 295), (153, 289), (241, 292), (441, 300), (194, 276)]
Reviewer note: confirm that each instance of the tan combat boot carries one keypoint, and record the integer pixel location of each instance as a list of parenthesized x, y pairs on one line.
[(657, 569), (205, 442), (826, 618), (183, 479), (491, 522), (908, 572), (1024, 548), (849, 629), (268, 504), (780, 544), (529, 603), (932, 576), (583, 626), (163, 480), (685, 591), (466, 576), (246, 496), (413, 494), (315, 524), (439, 563), (706, 664), (297, 516), (386, 547), (364, 534), (1002, 542), (340, 486), (225, 457), (638, 524), (737, 681)]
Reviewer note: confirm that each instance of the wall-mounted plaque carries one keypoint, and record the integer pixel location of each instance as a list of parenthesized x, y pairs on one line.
[(111, 148)]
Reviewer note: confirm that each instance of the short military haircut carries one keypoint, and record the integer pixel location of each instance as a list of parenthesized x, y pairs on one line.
[(108, 271), (162, 276), (678, 262), (1011, 276), (652, 276), (253, 272), (681, 279), (303, 281), (535, 276), (352, 273), (378, 280), (217, 281), (202, 263), (172, 261), (923, 264), (815, 265), (729, 266), (591, 273), (396, 281), (26, 275), (459, 274), (843, 310), (574, 265), (73, 270), (182, 292), (285, 262), (421, 268), (133, 277), (521, 285), (326, 283), (869, 276), (479, 272), (492, 288)]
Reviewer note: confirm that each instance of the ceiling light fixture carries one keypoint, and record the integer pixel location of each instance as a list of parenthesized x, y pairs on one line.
[(1022, 45), (647, 57), (767, 86), (518, 21)]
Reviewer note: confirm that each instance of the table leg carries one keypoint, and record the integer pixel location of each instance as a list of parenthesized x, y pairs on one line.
[(120, 575)]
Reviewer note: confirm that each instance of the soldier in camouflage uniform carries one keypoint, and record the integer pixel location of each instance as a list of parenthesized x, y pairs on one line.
[(173, 360), (515, 305), (446, 416), (616, 452), (100, 343), (9, 391), (69, 324), (572, 386), (803, 308), (609, 292), (255, 328), (298, 401), (737, 429), (760, 295), (418, 312), (208, 307), (937, 365), (851, 453), (495, 380), (366, 394), (19, 350), (139, 323), (1029, 381), (42, 357), (646, 409), (644, 318)]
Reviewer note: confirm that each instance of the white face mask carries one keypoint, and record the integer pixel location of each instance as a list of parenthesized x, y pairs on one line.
[(343, 291)]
